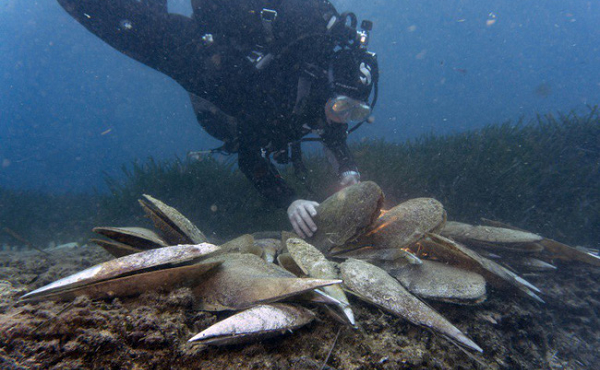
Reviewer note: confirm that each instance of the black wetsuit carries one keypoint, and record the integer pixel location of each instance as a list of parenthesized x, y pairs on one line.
[(256, 112)]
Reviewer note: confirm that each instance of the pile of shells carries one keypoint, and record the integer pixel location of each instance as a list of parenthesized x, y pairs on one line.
[(395, 259)]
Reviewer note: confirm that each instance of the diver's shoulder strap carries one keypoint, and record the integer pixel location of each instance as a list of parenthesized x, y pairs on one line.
[(286, 22), (268, 15)]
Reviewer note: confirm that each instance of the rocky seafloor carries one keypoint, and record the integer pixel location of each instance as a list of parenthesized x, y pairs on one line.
[(151, 331)]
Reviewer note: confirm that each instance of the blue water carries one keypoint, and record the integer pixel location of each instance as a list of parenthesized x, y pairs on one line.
[(72, 108)]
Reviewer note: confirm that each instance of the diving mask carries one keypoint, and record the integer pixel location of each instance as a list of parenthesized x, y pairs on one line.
[(343, 109)]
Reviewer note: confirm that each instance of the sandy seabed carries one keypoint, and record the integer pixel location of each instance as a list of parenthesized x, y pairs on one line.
[(151, 331)]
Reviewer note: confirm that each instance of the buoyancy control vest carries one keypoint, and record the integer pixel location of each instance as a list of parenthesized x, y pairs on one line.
[(270, 24)]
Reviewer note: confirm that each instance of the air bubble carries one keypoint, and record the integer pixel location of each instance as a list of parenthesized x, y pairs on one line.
[(126, 24)]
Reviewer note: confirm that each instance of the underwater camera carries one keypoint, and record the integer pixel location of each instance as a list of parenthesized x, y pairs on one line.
[(346, 31)]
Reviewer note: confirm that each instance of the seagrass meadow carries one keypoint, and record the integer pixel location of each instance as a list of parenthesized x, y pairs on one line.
[(543, 176)]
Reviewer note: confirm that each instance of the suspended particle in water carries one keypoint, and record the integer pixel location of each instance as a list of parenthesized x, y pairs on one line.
[(214, 208), (491, 19), (543, 90), (421, 55), (126, 24)]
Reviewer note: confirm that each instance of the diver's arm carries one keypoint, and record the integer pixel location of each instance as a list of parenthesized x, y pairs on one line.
[(269, 184), (263, 174), (215, 122), (144, 31), (335, 140)]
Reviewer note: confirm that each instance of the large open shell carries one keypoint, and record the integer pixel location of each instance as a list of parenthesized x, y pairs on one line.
[(532, 264), (314, 264), (438, 281), (286, 261), (115, 248), (557, 249), (456, 254), (242, 244), (346, 214), (493, 237), (270, 247), (565, 252), (136, 237), (370, 253), (405, 224), (256, 323), (243, 280), (131, 274), (374, 285), (176, 228)]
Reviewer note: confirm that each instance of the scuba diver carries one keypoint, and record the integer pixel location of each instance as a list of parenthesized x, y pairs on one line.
[(261, 75)]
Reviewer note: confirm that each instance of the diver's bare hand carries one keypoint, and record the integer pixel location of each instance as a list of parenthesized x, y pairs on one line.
[(300, 213)]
